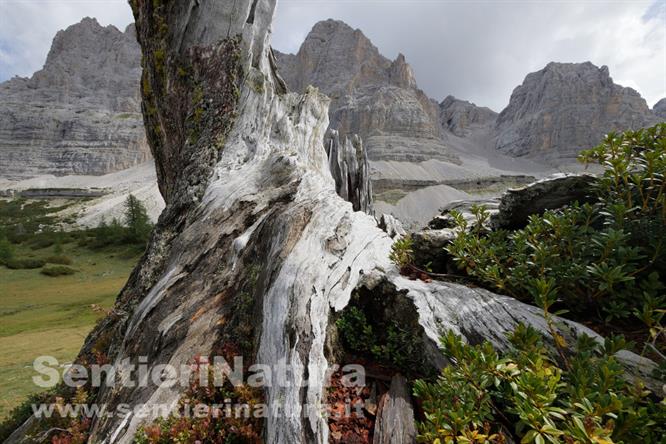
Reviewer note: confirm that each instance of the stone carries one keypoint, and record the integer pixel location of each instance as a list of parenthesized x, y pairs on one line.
[(511, 211), (81, 113), (391, 226), (565, 108), (395, 422), (516, 205), (464, 207)]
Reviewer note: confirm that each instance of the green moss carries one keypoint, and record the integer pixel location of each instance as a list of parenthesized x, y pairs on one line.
[(220, 140), (390, 196), (257, 83), (196, 117), (160, 57)]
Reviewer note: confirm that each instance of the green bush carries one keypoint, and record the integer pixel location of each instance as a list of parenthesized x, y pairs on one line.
[(61, 260), (41, 242), (606, 260), (402, 253), (6, 250), (57, 270), (135, 233), (388, 343), (21, 219), (24, 264), (525, 396)]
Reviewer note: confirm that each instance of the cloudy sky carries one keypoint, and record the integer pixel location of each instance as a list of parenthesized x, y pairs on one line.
[(476, 49)]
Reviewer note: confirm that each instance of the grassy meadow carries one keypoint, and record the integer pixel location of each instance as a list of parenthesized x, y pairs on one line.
[(51, 315)]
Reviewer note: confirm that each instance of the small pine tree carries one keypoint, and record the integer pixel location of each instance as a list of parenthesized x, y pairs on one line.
[(137, 220)]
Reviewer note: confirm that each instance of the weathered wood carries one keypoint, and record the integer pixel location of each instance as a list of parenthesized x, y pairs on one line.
[(395, 417)]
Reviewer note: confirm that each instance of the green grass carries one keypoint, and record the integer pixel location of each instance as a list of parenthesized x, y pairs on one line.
[(42, 315)]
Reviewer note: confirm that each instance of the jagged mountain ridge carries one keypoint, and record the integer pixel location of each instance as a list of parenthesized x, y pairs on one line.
[(81, 113), (552, 115)]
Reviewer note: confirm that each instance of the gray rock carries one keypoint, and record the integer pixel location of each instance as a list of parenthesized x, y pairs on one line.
[(462, 117), (511, 211), (395, 420), (660, 109), (464, 207), (371, 95), (81, 113), (518, 204), (391, 226), (565, 108), (349, 166)]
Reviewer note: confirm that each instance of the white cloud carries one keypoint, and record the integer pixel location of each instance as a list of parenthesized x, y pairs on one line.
[(27, 28), (482, 50), (477, 50)]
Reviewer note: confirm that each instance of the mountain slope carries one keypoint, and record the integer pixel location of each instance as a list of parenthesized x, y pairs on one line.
[(371, 95), (564, 108), (660, 109), (80, 114)]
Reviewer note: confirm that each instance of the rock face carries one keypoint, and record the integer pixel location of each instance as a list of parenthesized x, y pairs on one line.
[(371, 95), (81, 113), (660, 109), (567, 107), (462, 117)]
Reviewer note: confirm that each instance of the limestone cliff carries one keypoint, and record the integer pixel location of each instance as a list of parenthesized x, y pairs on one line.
[(371, 95), (462, 117), (80, 114), (567, 107)]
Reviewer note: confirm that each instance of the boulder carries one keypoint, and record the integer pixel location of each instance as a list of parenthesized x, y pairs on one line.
[(516, 205)]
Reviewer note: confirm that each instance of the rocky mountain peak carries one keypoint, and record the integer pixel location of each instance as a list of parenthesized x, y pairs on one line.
[(660, 109), (401, 74), (336, 57), (79, 114), (461, 117), (90, 59), (372, 96), (567, 107)]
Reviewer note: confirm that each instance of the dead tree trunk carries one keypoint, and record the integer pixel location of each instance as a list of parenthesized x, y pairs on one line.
[(251, 210)]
